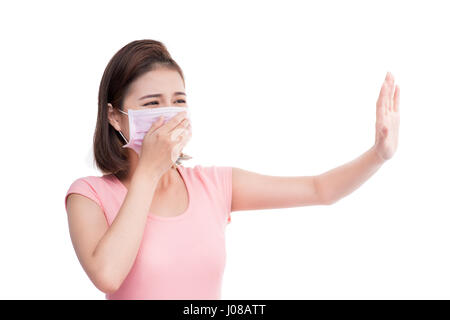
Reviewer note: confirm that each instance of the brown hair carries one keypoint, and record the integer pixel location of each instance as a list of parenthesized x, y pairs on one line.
[(130, 62)]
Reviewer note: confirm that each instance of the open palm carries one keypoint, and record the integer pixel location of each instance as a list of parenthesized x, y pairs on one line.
[(388, 118)]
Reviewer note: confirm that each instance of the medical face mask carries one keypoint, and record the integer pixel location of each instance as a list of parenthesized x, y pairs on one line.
[(140, 121)]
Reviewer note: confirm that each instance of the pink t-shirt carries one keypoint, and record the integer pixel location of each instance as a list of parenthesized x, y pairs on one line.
[(180, 257)]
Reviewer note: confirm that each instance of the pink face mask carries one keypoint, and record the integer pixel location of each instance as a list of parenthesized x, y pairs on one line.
[(140, 121)]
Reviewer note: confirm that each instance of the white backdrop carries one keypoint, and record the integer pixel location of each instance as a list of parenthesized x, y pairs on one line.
[(280, 88)]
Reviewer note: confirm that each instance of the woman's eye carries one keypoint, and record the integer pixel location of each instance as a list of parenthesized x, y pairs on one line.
[(156, 102)]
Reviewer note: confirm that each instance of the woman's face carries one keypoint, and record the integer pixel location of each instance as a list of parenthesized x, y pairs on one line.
[(158, 88)]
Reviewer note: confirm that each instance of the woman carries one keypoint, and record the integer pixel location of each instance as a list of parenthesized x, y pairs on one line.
[(152, 229)]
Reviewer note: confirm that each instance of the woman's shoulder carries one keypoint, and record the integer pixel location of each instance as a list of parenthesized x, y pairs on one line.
[(91, 186), (218, 175), (216, 180), (207, 169), (92, 180)]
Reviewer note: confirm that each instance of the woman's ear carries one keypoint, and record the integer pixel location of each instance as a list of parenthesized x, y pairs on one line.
[(113, 117)]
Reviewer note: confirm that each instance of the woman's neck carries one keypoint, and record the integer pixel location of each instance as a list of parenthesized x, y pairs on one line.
[(166, 180)]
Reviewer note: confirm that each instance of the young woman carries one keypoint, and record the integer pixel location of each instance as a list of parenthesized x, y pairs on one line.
[(149, 228)]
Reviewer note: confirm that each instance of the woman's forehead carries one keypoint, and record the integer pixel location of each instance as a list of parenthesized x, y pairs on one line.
[(165, 82)]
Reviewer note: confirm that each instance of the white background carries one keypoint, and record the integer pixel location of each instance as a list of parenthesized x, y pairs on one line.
[(280, 88)]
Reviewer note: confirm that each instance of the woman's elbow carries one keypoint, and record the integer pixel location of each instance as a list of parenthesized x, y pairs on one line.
[(106, 282), (107, 287)]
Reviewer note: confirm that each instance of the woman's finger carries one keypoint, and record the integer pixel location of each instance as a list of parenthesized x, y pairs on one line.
[(157, 124), (182, 139), (176, 133), (381, 102), (397, 98), (173, 122), (390, 79)]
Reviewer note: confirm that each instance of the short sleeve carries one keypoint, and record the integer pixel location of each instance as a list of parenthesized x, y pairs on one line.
[(84, 187), (225, 179)]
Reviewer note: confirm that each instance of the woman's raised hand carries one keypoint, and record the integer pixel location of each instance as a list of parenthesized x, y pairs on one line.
[(388, 119)]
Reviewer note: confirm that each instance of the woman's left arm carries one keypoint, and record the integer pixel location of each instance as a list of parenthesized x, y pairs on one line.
[(255, 191), (341, 181)]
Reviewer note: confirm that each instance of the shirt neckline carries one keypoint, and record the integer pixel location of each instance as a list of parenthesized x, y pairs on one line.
[(151, 215)]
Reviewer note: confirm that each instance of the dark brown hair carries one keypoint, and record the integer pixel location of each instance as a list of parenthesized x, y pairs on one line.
[(130, 62)]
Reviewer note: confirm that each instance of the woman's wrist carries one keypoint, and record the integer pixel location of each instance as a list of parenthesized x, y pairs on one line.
[(378, 159), (149, 171)]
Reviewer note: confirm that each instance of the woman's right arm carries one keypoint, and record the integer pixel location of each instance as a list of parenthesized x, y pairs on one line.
[(107, 254)]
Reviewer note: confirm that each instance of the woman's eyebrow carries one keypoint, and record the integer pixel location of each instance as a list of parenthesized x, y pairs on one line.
[(159, 95)]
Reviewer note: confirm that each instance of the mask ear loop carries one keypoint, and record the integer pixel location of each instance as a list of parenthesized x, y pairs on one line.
[(123, 137), (121, 131)]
